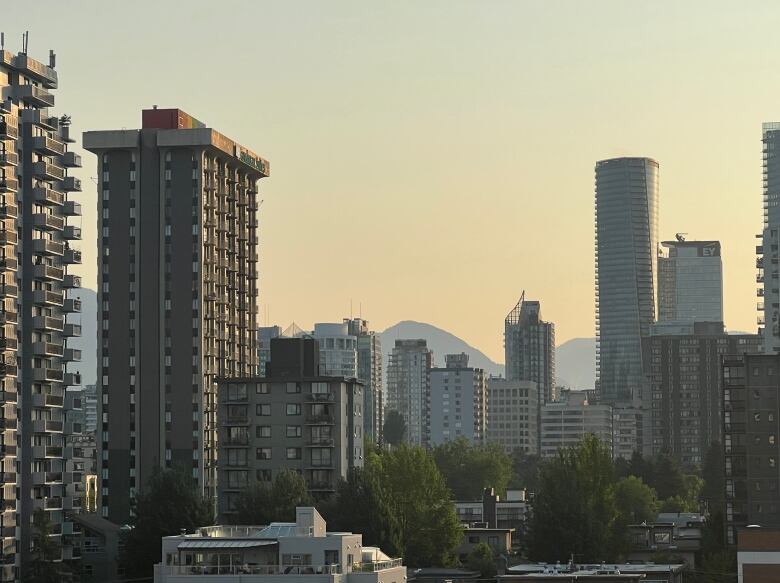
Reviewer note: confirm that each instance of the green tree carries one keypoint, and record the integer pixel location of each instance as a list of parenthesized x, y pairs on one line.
[(636, 501), (666, 477), (362, 505), (674, 504), (260, 504), (394, 430), (169, 502), (481, 559), (525, 470), (574, 510), (468, 468), (42, 567), (422, 503)]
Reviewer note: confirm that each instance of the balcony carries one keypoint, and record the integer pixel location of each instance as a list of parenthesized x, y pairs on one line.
[(47, 171), (48, 222), (8, 343), (32, 68), (71, 233), (322, 418), (45, 297), (9, 159), (65, 135), (48, 272), (8, 290), (33, 95), (72, 209), (44, 374), (47, 451), (71, 184), (8, 184), (8, 131), (48, 146), (39, 118), (47, 349), (8, 237), (48, 323), (321, 442), (72, 330), (72, 306), (47, 196), (72, 355), (8, 317), (9, 210), (48, 247), (71, 160), (72, 256), (9, 264), (72, 379), (71, 281)]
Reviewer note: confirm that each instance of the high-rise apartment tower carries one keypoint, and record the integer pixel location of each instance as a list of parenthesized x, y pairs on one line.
[(408, 386), (369, 353), (38, 316), (768, 261), (458, 402), (690, 281), (626, 256), (177, 295), (529, 348)]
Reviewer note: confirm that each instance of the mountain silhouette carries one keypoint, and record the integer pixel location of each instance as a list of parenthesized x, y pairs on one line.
[(575, 363)]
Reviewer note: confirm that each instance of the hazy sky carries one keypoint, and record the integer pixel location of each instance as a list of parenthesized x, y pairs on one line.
[(433, 159)]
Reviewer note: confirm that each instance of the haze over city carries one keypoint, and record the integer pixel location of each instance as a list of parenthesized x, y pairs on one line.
[(432, 160)]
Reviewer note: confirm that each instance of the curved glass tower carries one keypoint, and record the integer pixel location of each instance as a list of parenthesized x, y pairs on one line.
[(626, 256)]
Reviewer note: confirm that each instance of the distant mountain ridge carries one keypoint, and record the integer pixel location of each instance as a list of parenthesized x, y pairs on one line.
[(575, 359)]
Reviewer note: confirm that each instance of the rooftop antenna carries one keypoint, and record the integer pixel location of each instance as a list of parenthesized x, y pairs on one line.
[(25, 41)]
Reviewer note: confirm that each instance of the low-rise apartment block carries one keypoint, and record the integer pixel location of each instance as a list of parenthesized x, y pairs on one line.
[(294, 418)]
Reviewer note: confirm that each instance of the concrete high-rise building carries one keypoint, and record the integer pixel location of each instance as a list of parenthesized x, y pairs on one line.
[(408, 386), (626, 257), (513, 415), (768, 261), (295, 418), (690, 281), (38, 316), (751, 441), (369, 353), (458, 402), (567, 421), (685, 412), (89, 405), (529, 348), (338, 350), (177, 295), (264, 336)]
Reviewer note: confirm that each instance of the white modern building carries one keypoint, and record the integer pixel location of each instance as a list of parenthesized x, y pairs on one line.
[(338, 350), (566, 422), (282, 552), (458, 402), (513, 415)]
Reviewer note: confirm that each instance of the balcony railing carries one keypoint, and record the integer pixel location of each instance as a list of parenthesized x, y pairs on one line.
[(72, 256), (71, 160), (48, 171), (9, 210), (48, 222), (34, 95), (48, 272), (72, 209), (48, 247), (48, 196), (43, 297), (48, 323), (9, 159), (71, 184), (48, 146), (8, 184), (71, 232)]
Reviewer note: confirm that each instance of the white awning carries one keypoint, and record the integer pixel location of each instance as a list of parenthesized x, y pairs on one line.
[(205, 543)]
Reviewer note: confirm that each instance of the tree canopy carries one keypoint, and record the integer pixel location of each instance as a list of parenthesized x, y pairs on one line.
[(394, 430), (259, 503), (169, 502), (42, 567), (468, 468)]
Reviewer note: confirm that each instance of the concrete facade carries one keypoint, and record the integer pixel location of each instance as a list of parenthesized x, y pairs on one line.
[(626, 258), (768, 260), (309, 423), (566, 422), (178, 295), (38, 314), (513, 415), (408, 386), (690, 281), (458, 402), (751, 428), (369, 353), (758, 555)]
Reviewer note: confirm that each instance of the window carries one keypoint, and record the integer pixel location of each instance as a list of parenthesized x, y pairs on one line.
[(263, 453), (263, 409), (237, 392), (293, 408), (293, 387), (293, 453), (294, 431), (320, 456), (473, 540), (263, 431), (319, 388), (237, 478), (236, 457), (238, 436), (263, 475), (262, 389)]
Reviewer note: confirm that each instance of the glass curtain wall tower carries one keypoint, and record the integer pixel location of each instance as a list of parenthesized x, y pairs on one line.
[(626, 262)]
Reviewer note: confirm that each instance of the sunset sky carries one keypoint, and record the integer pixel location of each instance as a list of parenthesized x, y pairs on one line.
[(432, 159)]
